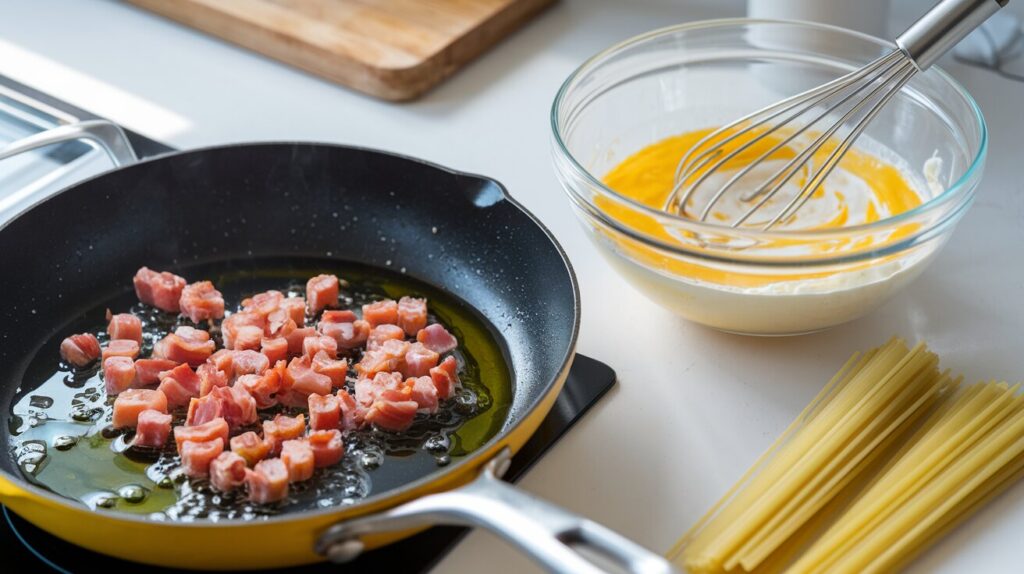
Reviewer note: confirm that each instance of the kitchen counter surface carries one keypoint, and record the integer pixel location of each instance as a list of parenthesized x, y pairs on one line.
[(694, 407)]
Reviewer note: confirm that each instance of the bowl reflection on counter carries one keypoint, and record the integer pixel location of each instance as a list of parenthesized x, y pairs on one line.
[(777, 282)]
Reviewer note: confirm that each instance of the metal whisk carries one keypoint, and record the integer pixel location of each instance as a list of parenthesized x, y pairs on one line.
[(855, 99)]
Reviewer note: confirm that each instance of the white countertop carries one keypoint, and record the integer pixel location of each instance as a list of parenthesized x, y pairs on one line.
[(631, 464)]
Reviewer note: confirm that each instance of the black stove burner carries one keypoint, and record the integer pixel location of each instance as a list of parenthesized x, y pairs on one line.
[(22, 545)]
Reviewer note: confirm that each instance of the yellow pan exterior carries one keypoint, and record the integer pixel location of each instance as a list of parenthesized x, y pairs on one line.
[(253, 545)]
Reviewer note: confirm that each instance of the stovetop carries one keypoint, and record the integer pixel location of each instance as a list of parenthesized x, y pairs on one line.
[(25, 546)]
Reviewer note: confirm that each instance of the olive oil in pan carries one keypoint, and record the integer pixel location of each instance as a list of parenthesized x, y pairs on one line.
[(62, 439)]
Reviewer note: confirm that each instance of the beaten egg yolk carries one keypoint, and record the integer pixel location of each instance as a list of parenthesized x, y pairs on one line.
[(861, 190)]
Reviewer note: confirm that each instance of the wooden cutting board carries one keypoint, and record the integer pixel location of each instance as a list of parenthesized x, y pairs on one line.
[(392, 49)]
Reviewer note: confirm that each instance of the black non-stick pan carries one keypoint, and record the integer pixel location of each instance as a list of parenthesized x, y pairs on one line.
[(233, 208)]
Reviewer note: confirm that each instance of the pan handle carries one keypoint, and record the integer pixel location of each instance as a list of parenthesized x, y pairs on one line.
[(548, 533), (108, 136)]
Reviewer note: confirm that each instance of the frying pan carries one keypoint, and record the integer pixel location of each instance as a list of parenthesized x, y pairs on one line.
[(189, 207)]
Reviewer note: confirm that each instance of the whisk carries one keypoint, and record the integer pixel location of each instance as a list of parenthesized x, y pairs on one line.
[(855, 99)]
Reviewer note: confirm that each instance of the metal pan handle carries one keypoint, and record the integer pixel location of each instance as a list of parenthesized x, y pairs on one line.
[(106, 135), (547, 533)]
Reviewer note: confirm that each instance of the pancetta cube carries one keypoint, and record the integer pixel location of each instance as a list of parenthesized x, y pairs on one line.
[(201, 301), (321, 292), (118, 374), (124, 326), (210, 377), (436, 338), (348, 335), (382, 333), (152, 429), (267, 481), (302, 379), (227, 471), (297, 455), (250, 446), (392, 410), (335, 369), (324, 412), (445, 377), (180, 384), (217, 428), (230, 326), (148, 370), (263, 303), (412, 315), (185, 345), (275, 349), (384, 312), (419, 360), (320, 344), (424, 393), (159, 289), (328, 448), (197, 456), (130, 403), (121, 348), (283, 428), (80, 350)]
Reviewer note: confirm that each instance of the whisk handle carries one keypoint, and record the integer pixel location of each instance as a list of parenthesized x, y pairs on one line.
[(943, 27)]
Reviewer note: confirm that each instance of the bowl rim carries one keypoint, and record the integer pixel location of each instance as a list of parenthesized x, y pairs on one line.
[(951, 192)]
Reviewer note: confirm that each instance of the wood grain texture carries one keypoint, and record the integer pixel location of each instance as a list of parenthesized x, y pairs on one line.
[(392, 49)]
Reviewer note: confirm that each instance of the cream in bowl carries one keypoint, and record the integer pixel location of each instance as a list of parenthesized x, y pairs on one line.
[(626, 117)]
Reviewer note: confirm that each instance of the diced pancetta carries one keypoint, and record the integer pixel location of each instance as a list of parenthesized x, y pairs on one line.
[(230, 326), (392, 410), (197, 456), (131, 402), (328, 448), (335, 369), (279, 325), (148, 370), (388, 358), (217, 428), (320, 344), (121, 348), (419, 360), (445, 377), (296, 309), (263, 388), (234, 404), (368, 389), (227, 471), (263, 303), (384, 312), (159, 289), (180, 384), (210, 377), (80, 350), (302, 379), (412, 315), (296, 339), (275, 349), (248, 363), (283, 428), (351, 413), (152, 429), (118, 374), (436, 338), (185, 345), (247, 338), (424, 393), (321, 292), (201, 301), (382, 333), (337, 316), (267, 481), (297, 455), (250, 446), (223, 360), (124, 326), (324, 412), (348, 335)]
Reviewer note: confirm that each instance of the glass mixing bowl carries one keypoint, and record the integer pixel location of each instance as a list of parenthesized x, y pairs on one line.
[(775, 282)]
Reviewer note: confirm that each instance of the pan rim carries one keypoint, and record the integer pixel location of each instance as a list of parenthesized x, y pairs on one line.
[(380, 500)]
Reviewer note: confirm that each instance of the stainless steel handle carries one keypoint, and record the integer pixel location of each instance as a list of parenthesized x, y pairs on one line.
[(547, 533), (943, 27), (108, 136)]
